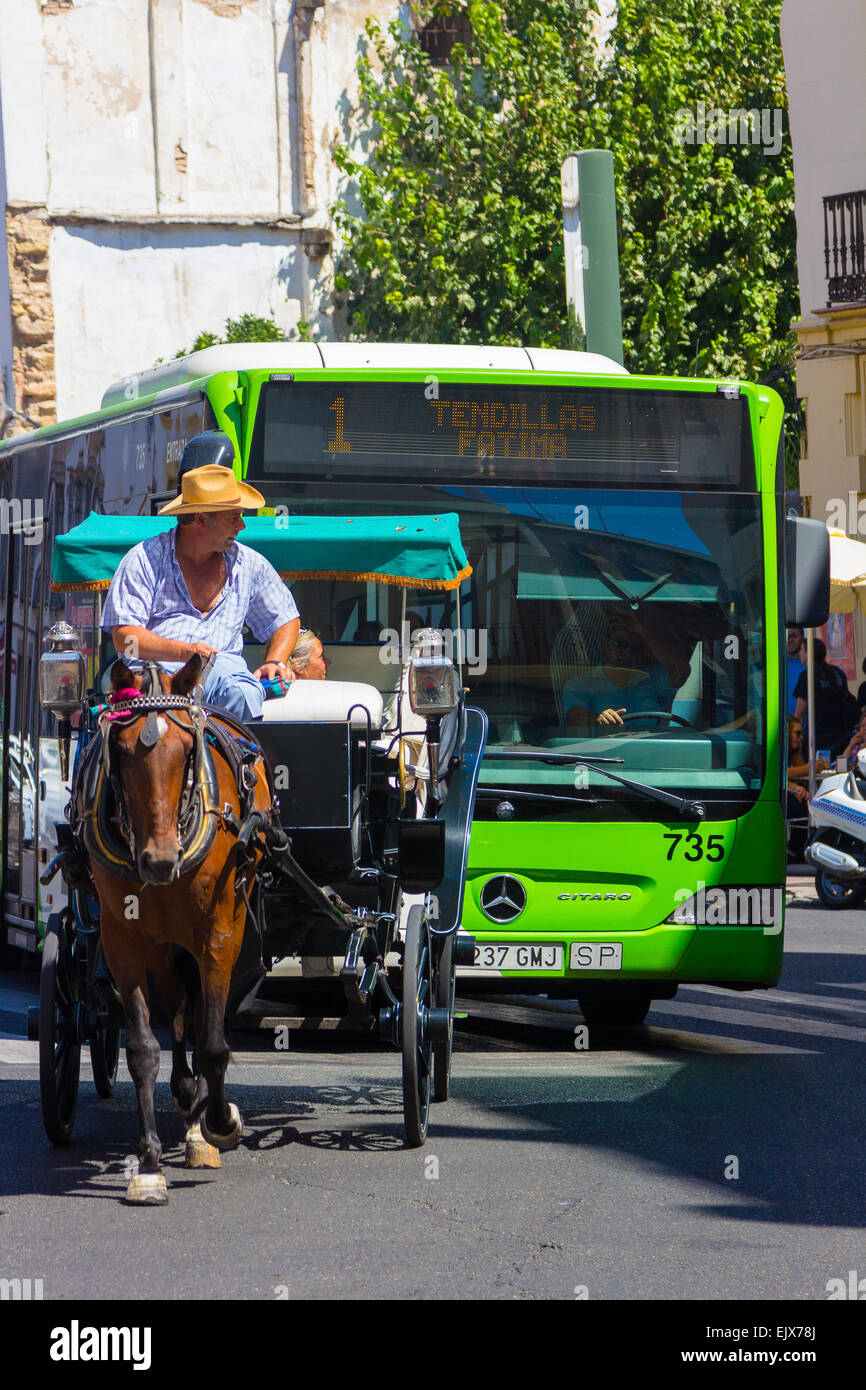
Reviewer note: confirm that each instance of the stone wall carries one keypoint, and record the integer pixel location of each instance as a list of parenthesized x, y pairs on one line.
[(165, 164), (28, 236)]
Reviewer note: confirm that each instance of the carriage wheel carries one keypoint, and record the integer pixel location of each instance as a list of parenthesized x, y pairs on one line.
[(417, 1046), (59, 1028), (444, 988), (104, 1057)]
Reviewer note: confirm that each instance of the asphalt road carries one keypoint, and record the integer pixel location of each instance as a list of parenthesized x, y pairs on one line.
[(715, 1154)]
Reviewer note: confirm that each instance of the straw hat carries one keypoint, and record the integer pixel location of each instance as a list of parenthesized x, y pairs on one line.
[(212, 488)]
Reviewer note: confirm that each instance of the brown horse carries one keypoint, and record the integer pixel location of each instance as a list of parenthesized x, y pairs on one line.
[(153, 760)]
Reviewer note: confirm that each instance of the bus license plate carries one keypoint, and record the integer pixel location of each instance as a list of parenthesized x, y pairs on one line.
[(496, 955), (596, 955)]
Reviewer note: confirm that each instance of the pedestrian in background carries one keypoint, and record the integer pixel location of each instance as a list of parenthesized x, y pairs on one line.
[(797, 664), (836, 710)]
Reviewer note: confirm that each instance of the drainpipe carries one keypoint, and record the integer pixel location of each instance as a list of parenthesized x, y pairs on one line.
[(591, 254), (305, 141)]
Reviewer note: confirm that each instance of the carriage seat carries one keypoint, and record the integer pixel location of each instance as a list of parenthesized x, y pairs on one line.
[(322, 702)]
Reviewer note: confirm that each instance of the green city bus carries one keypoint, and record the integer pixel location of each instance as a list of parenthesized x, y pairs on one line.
[(622, 627)]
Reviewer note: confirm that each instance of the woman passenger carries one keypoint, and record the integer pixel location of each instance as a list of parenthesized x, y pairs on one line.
[(308, 660)]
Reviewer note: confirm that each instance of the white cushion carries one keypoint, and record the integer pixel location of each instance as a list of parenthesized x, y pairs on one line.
[(325, 702)]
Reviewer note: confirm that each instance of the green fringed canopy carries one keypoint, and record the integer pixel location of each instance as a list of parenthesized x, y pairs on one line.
[(413, 552)]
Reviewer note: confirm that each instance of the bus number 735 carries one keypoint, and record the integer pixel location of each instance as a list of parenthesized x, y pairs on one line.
[(714, 851)]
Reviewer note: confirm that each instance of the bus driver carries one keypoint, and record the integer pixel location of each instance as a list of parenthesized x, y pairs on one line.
[(632, 678), (191, 590)]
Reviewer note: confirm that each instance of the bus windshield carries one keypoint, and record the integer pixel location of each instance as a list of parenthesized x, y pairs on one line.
[(622, 624), (625, 625), (616, 608)]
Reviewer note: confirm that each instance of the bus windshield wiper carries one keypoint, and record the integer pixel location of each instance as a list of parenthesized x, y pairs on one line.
[(509, 794), (686, 807)]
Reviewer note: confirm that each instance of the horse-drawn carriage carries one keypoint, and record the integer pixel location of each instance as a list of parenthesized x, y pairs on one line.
[(300, 835)]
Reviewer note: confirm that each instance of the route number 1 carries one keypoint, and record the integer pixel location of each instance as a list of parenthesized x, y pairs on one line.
[(338, 445)]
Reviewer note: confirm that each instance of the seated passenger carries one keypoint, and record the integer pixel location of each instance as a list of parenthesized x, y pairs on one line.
[(308, 660), (630, 680)]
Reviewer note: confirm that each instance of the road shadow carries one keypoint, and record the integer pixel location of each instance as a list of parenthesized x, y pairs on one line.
[(100, 1157), (789, 1124), (719, 1101)]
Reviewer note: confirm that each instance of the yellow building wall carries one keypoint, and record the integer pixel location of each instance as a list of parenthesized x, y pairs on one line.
[(831, 380)]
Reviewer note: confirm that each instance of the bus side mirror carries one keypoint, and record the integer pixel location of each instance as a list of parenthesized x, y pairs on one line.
[(807, 572)]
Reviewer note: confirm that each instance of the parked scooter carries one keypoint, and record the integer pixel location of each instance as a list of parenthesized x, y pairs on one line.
[(837, 849)]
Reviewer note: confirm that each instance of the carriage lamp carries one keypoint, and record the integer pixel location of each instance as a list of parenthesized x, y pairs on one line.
[(61, 672), (61, 683), (433, 692), (433, 689)]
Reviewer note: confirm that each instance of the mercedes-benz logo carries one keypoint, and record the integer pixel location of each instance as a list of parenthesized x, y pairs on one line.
[(503, 898)]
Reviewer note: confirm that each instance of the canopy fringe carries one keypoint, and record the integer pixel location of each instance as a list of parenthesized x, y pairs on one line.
[(401, 581)]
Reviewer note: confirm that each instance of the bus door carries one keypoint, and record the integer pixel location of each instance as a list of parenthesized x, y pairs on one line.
[(22, 631)]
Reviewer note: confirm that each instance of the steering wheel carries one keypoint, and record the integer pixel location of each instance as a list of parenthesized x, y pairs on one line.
[(651, 714)]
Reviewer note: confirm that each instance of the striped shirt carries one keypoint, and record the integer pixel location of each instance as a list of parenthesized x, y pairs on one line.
[(148, 590)]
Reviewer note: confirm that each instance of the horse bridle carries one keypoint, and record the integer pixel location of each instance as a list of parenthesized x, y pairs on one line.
[(151, 705)]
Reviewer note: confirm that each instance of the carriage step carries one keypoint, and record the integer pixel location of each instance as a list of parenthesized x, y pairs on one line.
[(270, 1017), (33, 1023)]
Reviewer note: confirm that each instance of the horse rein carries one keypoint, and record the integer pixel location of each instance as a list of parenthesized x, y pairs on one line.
[(139, 704)]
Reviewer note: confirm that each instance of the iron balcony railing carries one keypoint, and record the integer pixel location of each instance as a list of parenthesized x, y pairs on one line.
[(844, 250)]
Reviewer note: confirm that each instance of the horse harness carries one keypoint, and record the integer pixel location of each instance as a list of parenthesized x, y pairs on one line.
[(100, 823), (99, 830)]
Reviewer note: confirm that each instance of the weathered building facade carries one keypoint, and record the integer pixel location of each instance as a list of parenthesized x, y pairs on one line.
[(825, 67), (164, 165)]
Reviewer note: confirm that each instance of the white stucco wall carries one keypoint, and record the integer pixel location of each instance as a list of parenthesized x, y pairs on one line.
[(96, 94), (24, 122), (179, 149), (162, 286), (824, 46)]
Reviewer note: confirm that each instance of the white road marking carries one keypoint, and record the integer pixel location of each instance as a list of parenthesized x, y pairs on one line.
[(18, 1052)]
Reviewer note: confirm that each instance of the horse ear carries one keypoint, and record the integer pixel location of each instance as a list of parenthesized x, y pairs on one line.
[(122, 678), (186, 679)]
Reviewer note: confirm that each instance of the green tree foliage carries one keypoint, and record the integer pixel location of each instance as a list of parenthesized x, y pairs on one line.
[(247, 329), (459, 233), (458, 238), (707, 232)]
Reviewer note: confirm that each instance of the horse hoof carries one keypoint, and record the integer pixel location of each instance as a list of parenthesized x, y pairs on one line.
[(200, 1154), (147, 1190), (225, 1141), (179, 1108)]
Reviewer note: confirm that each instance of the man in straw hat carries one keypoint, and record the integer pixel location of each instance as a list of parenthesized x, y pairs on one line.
[(191, 589)]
